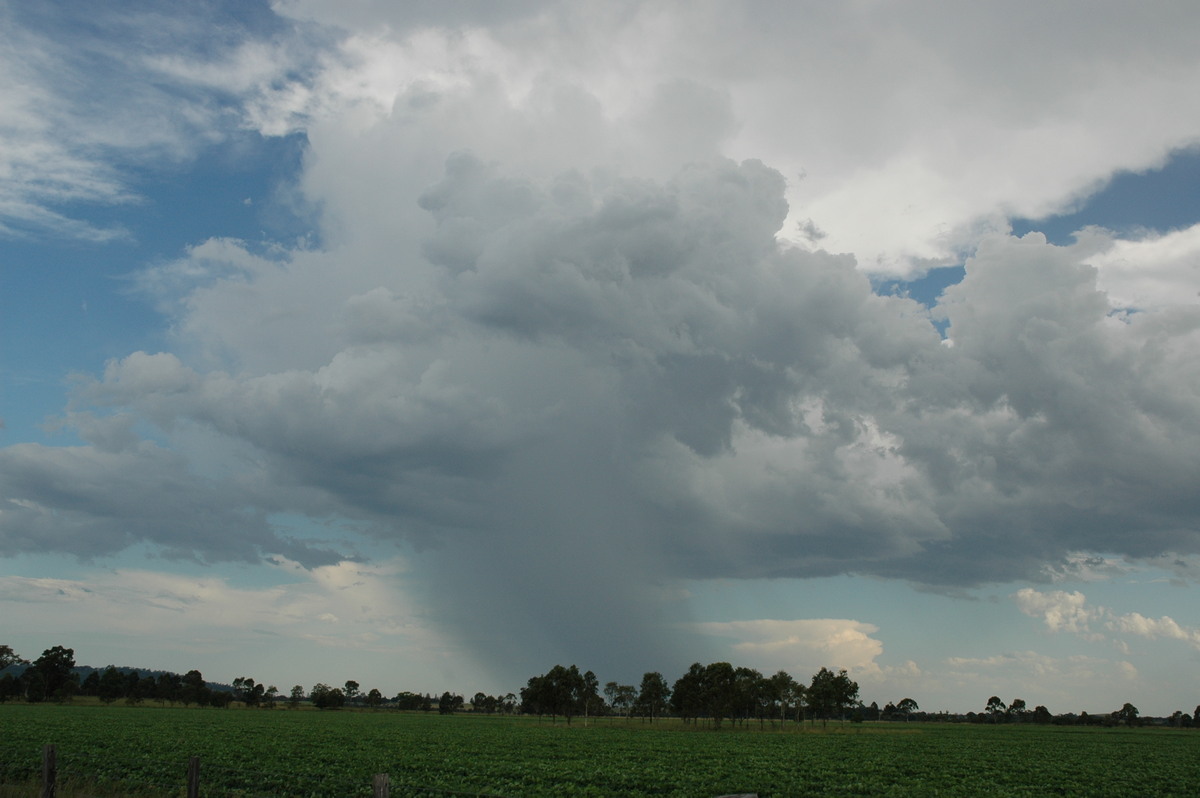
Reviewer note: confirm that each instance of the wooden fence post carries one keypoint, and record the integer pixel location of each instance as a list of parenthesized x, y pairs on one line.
[(193, 778), (49, 771), (381, 786)]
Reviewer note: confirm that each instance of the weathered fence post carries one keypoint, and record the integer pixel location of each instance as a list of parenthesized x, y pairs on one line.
[(49, 771), (193, 778), (381, 786)]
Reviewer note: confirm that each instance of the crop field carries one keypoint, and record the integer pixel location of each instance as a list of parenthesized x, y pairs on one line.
[(145, 750)]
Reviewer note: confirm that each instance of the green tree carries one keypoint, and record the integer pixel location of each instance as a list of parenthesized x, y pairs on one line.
[(112, 685), (799, 701), (408, 701), (588, 694), (687, 694), (449, 703), (536, 698), (374, 698), (906, 707), (167, 688), (91, 685), (782, 693), (51, 675), (131, 687), (559, 691), (33, 685), (352, 692), (831, 694), (9, 657), (10, 687), (719, 691), (1017, 709), (572, 687), (484, 703), (248, 691), (621, 697), (653, 696), (140, 689), (193, 689), (750, 691), (610, 693), (296, 696), (1128, 714), (323, 696), (995, 708), (242, 687)]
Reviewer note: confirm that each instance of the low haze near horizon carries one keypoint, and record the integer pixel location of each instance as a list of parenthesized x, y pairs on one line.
[(432, 344)]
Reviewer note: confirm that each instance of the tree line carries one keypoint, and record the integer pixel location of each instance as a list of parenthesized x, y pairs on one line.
[(714, 694), (54, 676)]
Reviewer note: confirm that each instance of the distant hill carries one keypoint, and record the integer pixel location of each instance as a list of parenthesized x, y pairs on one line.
[(84, 671)]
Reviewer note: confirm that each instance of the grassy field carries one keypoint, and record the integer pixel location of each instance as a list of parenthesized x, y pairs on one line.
[(122, 750)]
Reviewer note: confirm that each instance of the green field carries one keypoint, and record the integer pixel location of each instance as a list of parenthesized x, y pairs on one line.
[(311, 753)]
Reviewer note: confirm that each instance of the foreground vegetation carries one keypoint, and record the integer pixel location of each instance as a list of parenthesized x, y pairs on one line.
[(313, 753)]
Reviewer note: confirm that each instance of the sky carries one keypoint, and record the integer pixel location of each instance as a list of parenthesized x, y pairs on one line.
[(430, 344)]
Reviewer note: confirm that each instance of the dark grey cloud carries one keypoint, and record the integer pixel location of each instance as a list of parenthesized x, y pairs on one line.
[(92, 501)]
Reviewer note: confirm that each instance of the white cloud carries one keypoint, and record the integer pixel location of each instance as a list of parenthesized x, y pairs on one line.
[(1069, 612), (909, 145), (40, 170), (84, 109), (360, 599), (1059, 683), (1060, 610), (1153, 628), (1150, 273), (799, 646), (201, 266), (182, 621)]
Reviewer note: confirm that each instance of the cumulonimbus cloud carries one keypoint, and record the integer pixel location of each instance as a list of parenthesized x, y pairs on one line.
[(764, 397), (559, 344), (596, 385)]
